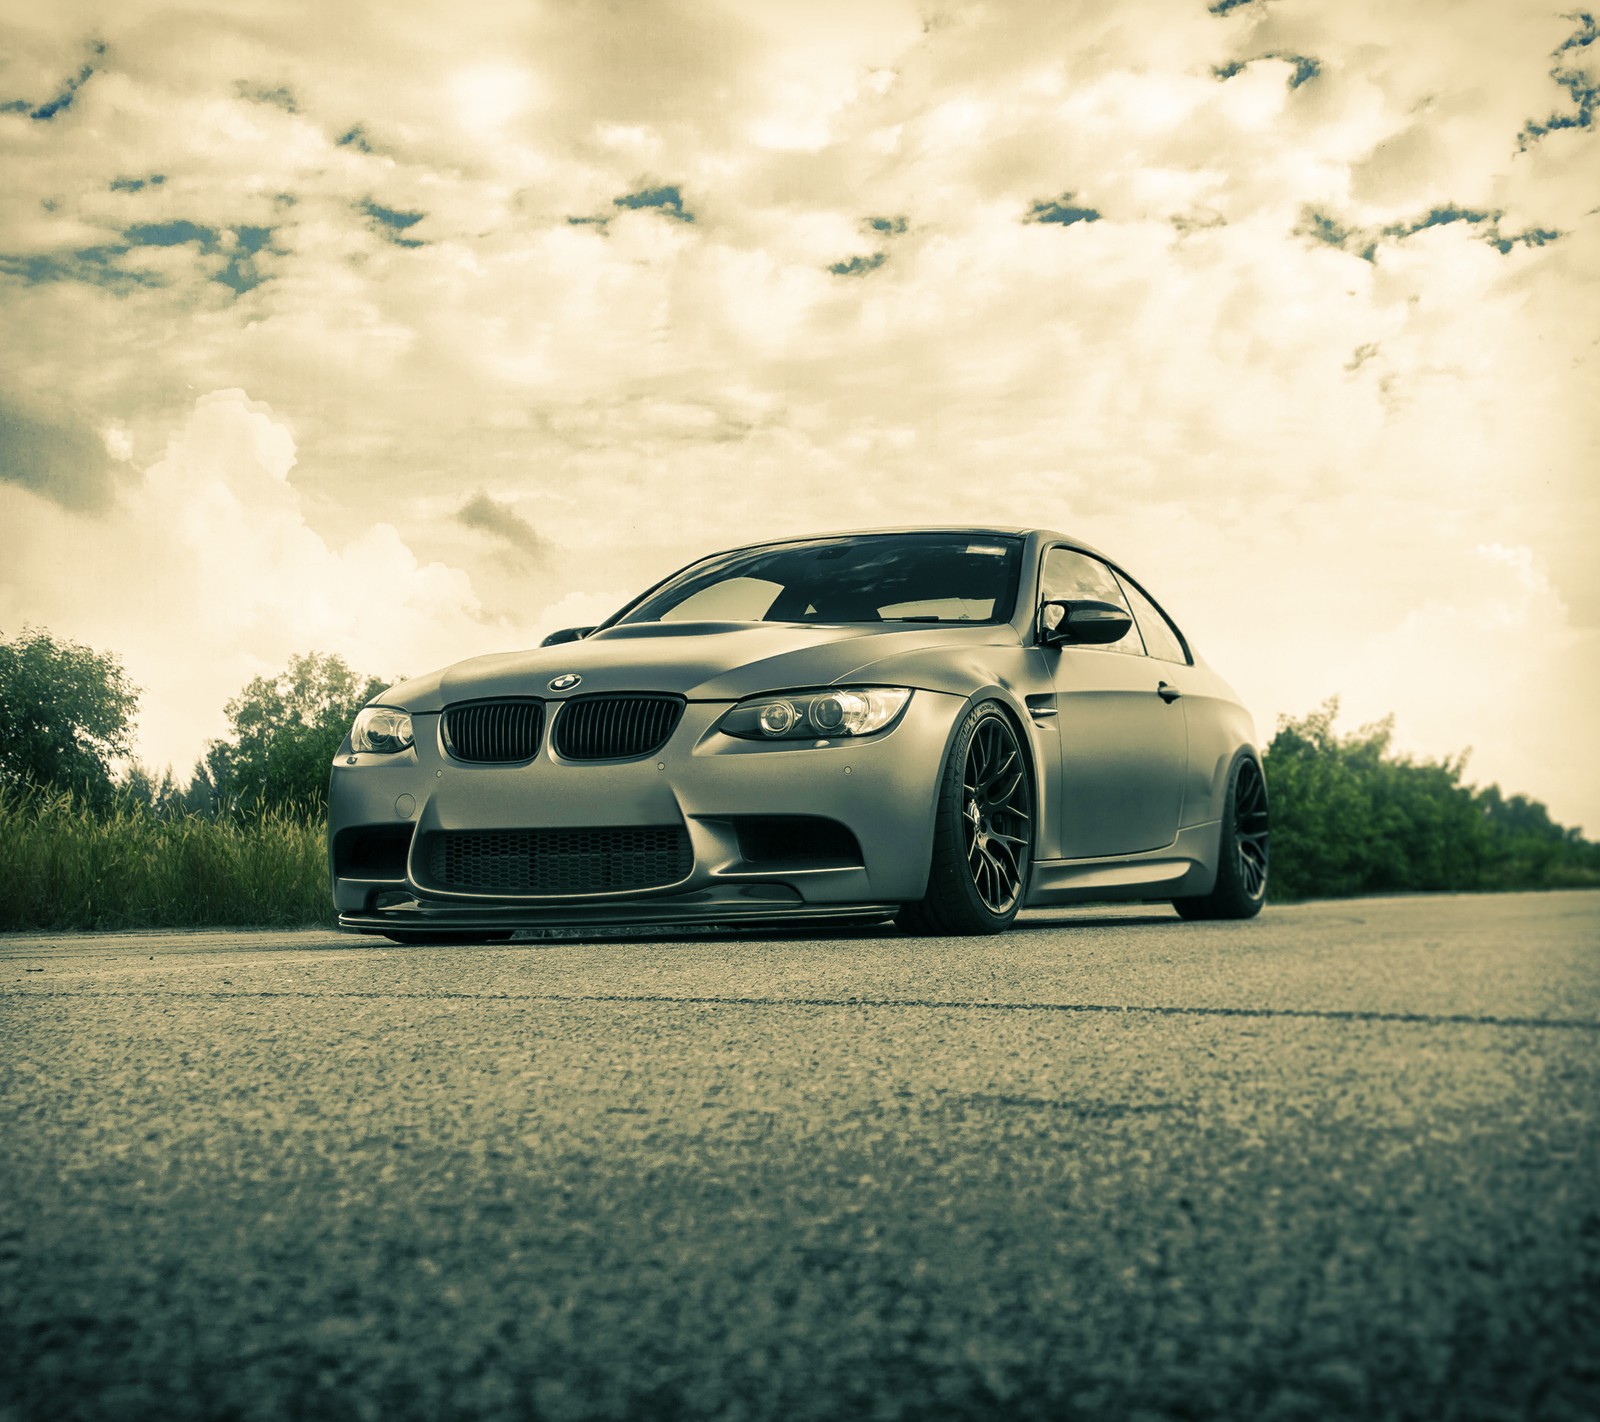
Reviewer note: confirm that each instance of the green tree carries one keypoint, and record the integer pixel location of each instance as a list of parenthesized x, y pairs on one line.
[(154, 794), (66, 715), (285, 731), (1352, 816)]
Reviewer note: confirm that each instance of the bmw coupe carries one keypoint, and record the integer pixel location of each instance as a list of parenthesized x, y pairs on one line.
[(939, 726)]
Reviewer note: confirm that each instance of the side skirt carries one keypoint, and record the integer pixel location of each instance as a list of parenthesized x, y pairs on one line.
[(1186, 866)]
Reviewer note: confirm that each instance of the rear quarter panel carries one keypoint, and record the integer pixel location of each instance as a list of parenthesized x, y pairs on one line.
[(1219, 727)]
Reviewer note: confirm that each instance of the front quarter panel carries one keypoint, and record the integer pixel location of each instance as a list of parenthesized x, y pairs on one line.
[(999, 670)]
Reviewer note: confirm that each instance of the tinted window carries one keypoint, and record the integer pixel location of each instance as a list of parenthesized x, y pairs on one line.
[(1074, 576), (905, 577), (1160, 636)]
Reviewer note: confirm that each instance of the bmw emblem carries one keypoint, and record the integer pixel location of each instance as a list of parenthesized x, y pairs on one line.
[(565, 682)]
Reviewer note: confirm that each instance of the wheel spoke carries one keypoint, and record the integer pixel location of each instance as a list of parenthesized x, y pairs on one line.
[(1006, 857), (1254, 876), (992, 777), (984, 881), (980, 744), (1012, 780), (1250, 796), (999, 897)]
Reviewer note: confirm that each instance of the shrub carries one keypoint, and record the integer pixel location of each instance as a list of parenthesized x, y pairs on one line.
[(65, 864), (1351, 816)]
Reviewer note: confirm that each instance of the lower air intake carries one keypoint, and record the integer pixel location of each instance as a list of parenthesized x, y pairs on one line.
[(558, 862)]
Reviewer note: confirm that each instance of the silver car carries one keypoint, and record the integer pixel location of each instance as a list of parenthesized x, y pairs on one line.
[(939, 726)]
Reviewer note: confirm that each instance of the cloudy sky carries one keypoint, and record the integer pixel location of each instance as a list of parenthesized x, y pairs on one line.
[(414, 331)]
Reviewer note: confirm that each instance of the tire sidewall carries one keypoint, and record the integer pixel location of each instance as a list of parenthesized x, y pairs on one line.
[(951, 816), (1232, 896)]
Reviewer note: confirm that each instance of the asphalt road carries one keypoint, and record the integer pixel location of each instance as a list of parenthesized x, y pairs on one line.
[(1341, 1162)]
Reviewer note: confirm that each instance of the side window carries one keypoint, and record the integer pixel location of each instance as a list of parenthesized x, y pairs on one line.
[(1073, 575), (1161, 638)]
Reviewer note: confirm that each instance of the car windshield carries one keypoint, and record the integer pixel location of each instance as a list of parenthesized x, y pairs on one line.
[(890, 577)]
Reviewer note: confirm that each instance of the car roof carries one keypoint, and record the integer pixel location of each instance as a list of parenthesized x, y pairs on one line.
[(1044, 535)]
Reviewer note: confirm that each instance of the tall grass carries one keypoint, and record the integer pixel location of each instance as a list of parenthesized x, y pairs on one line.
[(64, 866)]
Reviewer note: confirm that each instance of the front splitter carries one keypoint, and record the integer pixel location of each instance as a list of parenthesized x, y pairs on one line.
[(742, 903)]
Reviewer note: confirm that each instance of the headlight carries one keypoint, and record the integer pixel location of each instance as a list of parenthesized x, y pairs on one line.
[(382, 729), (838, 711)]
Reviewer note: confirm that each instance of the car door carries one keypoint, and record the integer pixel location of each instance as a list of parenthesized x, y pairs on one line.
[(1120, 721)]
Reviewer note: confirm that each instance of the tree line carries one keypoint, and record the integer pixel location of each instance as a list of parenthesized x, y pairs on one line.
[(67, 715), (1349, 814), (1352, 816)]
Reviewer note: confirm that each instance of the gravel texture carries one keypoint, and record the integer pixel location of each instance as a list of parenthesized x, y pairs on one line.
[(1341, 1162)]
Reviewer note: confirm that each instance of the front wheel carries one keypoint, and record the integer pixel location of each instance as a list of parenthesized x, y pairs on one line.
[(1241, 886), (982, 835)]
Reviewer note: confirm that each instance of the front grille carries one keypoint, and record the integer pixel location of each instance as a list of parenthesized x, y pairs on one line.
[(560, 861), (615, 727), (493, 732)]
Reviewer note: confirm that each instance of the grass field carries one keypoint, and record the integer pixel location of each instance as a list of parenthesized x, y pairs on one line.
[(62, 867)]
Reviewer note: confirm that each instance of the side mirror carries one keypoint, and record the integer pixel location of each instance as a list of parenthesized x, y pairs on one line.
[(1081, 622), (566, 634)]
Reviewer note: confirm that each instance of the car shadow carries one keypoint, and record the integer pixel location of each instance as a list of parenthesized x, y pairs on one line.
[(1099, 919), (815, 932), (705, 933)]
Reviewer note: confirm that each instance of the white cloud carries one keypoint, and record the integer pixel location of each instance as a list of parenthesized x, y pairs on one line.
[(1299, 448), (207, 574), (1498, 668)]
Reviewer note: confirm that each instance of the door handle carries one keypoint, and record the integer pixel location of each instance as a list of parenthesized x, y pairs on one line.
[(1168, 692)]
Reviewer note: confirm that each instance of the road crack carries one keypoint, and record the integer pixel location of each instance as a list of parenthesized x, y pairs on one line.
[(1312, 1014)]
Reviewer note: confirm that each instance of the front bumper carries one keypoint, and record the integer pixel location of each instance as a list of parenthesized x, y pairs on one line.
[(881, 788)]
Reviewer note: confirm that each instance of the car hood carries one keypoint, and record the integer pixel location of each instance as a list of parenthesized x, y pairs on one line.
[(704, 661)]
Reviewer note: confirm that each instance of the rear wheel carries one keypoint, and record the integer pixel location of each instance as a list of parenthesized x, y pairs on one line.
[(1241, 886), (983, 832)]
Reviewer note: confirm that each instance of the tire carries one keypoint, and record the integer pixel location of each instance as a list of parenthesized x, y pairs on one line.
[(442, 938), (1242, 854), (982, 832)]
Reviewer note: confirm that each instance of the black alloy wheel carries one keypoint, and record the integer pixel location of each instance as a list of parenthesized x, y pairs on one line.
[(1250, 829), (994, 808), (1242, 855), (983, 832)]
